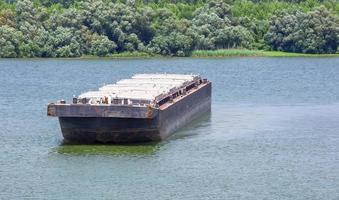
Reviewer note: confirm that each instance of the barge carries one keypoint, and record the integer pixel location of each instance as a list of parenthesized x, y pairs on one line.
[(146, 107)]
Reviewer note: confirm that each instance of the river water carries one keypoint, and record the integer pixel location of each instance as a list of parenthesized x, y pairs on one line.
[(273, 133)]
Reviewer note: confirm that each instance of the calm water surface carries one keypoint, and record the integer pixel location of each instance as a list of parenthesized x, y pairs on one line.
[(273, 133)]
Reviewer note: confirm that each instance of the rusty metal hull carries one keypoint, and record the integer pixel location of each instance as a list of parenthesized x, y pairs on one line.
[(159, 123)]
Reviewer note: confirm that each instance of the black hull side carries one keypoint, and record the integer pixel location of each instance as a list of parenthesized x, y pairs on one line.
[(184, 111), (128, 130), (108, 130)]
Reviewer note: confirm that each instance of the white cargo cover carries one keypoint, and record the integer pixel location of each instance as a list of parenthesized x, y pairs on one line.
[(143, 87)]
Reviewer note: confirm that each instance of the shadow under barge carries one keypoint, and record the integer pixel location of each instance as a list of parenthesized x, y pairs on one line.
[(115, 113)]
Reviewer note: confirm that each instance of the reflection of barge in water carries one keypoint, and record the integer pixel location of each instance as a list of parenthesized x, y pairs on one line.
[(147, 107)]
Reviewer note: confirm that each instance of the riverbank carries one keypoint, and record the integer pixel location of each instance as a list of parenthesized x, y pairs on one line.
[(223, 53), (253, 53), (216, 53)]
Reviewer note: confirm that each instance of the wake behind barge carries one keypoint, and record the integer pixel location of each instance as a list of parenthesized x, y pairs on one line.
[(147, 107)]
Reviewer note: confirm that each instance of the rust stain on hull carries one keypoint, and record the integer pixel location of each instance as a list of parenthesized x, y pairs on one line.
[(50, 110), (149, 113)]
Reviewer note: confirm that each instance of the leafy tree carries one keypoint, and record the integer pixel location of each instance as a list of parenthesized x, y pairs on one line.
[(175, 44), (173, 37), (281, 28), (318, 32), (28, 17), (7, 18), (216, 29), (66, 42), (313, 32), (102, 46), (10, 41), (64, 3), (131, 27), (40, 45), (233, 36), (68, 18)]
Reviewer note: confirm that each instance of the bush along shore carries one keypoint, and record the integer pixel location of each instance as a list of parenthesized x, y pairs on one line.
[(198, 28)]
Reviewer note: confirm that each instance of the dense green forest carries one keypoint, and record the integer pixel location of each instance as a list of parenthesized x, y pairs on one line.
[(72, 28)]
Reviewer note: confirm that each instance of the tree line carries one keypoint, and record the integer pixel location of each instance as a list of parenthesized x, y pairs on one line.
[(62, 28)]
